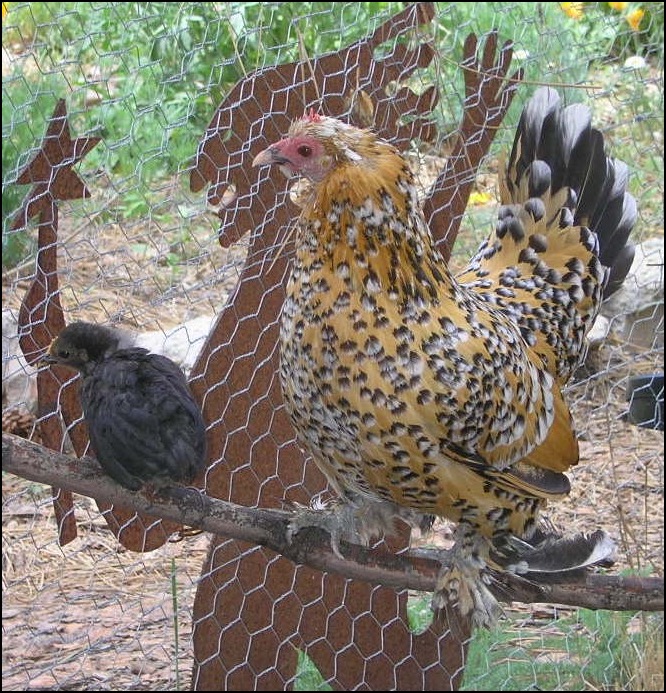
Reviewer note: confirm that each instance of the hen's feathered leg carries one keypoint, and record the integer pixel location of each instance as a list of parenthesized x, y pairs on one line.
[(463, 581)]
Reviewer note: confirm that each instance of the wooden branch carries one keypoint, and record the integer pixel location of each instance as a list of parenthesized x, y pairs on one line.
[(415, 570)]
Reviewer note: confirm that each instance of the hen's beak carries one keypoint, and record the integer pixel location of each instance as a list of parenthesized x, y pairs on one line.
[(273, 155), (268, 156)]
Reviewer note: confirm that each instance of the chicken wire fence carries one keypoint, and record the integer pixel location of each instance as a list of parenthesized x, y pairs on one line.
[(182, 241)]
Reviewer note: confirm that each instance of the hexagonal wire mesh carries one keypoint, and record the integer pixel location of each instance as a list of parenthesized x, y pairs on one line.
[(142, 251)]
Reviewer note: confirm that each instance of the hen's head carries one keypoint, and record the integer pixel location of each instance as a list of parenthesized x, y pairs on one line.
[(315, 145)]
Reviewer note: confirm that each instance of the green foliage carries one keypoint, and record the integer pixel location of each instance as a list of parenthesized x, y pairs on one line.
[(170, 64), (308, 677), (146, 77), (627, 28), (16, 245), (546, 42), (419, 613), (24, 111), (590, 650)]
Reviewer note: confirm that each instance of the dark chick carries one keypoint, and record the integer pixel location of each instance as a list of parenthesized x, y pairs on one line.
[(418, 391), (144, 425)]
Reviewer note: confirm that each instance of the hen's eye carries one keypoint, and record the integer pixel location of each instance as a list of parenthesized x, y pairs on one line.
[(64, 353), (304, 150)]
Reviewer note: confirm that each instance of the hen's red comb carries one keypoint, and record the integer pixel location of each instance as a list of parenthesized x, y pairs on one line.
[(312, 116)]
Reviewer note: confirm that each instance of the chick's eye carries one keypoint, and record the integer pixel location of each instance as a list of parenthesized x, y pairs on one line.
[(304, 150), (64, 353)]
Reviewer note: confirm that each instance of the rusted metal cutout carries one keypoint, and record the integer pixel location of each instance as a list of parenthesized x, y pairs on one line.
[(40, 315), (41, 319)]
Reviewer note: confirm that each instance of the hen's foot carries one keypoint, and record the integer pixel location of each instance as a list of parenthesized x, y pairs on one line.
[(357, 522)]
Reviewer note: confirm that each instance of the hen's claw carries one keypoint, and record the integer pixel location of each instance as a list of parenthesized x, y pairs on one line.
[(356, 522), (333, 519)]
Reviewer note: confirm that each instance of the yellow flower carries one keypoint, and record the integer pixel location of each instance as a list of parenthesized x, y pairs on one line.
[(618, 6), (572, 9), (479, 198), (635, 18), (4, 9)]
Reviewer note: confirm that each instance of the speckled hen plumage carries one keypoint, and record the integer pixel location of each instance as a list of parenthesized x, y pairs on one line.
[(419, 392), (144, 425)]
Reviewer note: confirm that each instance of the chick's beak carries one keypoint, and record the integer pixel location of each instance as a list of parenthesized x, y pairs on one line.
[(48, 358)]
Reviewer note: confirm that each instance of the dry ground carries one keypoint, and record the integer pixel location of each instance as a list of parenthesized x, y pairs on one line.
[(93, 616)]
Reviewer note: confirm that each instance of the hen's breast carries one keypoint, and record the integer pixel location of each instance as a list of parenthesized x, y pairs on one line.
[(394, 397)]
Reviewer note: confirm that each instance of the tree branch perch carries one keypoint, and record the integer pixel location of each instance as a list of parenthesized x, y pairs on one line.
[(268, 528)]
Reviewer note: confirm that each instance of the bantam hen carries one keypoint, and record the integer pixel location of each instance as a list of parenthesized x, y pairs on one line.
[(144, 425), (422, 393)]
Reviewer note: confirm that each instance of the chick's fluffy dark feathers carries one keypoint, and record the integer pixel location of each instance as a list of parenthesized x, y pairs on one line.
[(143, 422), (422, 392)]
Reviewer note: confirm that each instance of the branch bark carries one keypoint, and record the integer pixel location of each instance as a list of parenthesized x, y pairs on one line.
[(268, 527)]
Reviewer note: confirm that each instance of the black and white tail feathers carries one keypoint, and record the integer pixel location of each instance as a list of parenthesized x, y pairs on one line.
[(561, 242), (563, 138)]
